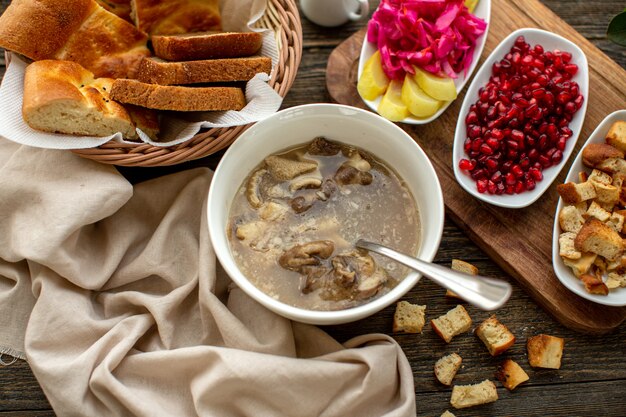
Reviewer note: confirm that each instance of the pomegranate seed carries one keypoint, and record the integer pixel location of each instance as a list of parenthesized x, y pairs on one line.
[(496, 177), (517, 171), (491, 187), (544, 161), (563, 97), (535, 174), (486, 149), (510, 189), (519, 187), (465, 164), (491, 163), (481, 186), (557, 157), (530, 184), (579, 101)]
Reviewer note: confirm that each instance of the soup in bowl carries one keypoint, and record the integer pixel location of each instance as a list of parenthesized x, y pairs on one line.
[(293, 194)]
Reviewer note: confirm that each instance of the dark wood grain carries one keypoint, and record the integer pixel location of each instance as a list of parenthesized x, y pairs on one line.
[(592, 381)]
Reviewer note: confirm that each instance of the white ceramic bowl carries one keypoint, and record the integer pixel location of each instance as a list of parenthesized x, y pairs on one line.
[(299, 125), (549, 41), (616, 297), (483, 10)]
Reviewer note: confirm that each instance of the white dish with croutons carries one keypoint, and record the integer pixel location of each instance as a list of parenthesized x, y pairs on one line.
[(613, 285)]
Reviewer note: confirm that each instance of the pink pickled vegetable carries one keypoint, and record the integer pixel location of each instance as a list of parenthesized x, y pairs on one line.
[(438, 36)]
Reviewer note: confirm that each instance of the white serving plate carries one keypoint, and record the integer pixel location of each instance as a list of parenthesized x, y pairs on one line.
[(616, 297), (483, 11), (549, 41)]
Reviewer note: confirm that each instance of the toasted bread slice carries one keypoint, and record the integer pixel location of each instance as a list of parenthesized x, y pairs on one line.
[(157, 71), (207, 45), (464, 396), (177, 98)]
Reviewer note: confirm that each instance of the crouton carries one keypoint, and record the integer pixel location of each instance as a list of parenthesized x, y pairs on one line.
[(495, 335), (615, 280), (616, 222), (464, 396), (545, 351), (600, 177), (408, 318), (566, 246), (596, 237), (598, 212), (582, 265), (572, 193), (465, 267), (447, 414), (596, 153), (570, 219), (583, 176), (606, 194), (453, 323), (510, 374), (447, 367), (594, 285), (613, 165), (617, 135)]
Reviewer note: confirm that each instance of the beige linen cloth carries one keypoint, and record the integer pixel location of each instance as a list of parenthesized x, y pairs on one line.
[(113, 294)]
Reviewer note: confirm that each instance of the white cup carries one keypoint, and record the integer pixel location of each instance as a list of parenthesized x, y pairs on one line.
[(334, 12)]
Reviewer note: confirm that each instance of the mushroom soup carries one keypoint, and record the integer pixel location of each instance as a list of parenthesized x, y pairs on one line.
[(294, 222)]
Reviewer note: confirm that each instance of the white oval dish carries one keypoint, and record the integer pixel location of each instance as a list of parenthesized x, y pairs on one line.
[(299, 125), (483, 11), (549, 41), (616, 297)]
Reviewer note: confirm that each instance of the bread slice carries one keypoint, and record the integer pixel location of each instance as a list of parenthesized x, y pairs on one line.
[(207, 45), (74, 30), (597, 237), (510, 374), (447, 367), (63, 97), (464, 396), (461, 266), (157, 71), (495, 335), (545, 351), (617, 135), (408, 318), (173, 98), (176, 16), (453, 323)]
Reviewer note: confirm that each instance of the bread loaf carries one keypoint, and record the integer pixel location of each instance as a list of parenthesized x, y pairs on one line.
[(75, 30), (195, 46), (157, 71), (173, 98), (62, 96), (176, 16)]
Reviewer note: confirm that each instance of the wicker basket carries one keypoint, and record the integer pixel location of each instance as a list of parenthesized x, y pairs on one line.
[(280, 16)]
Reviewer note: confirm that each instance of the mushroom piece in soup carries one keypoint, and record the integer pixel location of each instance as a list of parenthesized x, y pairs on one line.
[(295, 219)]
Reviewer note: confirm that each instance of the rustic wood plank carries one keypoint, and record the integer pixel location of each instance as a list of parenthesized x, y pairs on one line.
[(19, 390), (518, 240)]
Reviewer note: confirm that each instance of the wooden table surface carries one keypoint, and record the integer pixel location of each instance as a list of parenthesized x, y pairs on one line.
[(592, 379)]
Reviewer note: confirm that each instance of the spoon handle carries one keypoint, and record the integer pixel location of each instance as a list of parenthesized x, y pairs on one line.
[(485, 293)]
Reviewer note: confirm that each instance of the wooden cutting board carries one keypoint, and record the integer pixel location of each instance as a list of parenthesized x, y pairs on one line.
[(520, 241)]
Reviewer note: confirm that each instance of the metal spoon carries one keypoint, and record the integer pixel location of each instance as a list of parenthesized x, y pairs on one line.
[(485, 293)]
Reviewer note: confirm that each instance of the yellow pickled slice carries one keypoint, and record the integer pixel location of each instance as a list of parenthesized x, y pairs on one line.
[(471, 4), (439, 88), (391, 106), (417, 101), (373, 81)]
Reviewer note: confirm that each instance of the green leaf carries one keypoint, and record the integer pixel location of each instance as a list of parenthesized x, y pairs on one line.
[(616, 32)]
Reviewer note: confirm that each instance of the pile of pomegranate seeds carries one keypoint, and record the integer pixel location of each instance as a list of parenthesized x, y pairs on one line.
[(519, 125)]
